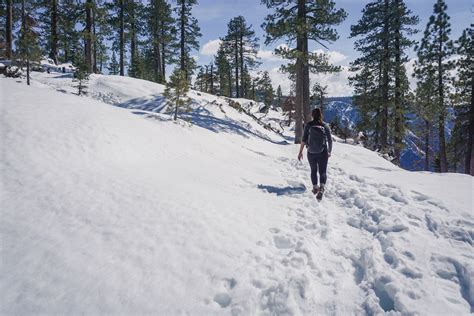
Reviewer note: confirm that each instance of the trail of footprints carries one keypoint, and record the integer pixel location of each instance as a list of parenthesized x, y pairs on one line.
[(370, 208)]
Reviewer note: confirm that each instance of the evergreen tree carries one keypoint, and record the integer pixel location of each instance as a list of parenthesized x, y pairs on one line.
[(425, 109), (381, 85), (266, 89), (117, 19), (200, 79), (176, 92), (81, 77), (303, 21), (9, 29), (223, 69), (162, 33), (434, 54), (279, 97), (188, 34), (463, 132), (319, 93), (70, 49), (28, 49), (241, 45), (114, 67), (289, 107), (401, 26)]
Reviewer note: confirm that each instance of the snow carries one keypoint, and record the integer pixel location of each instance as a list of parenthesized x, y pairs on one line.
[(119, 210)]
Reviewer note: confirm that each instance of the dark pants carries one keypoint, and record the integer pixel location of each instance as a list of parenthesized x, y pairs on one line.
[(318, 162)]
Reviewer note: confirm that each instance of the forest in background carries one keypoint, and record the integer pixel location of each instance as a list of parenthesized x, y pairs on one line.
[(143, 39)]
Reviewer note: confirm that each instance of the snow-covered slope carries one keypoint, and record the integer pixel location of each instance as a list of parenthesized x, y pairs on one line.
[(118, 210)]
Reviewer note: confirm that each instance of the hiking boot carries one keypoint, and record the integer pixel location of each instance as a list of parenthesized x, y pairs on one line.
[(315, 189), (319, 196)]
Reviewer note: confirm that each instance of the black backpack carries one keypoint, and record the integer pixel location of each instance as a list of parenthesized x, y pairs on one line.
[(317, 139)]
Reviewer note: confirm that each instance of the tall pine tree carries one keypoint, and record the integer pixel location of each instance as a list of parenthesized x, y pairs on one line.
[(303, 21), (188, 33), (434, 52)]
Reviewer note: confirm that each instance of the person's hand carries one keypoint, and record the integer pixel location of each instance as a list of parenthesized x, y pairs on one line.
[(300, 156), (329, 155)]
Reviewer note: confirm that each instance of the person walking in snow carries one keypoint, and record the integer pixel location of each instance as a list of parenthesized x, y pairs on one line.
[(317, 137)]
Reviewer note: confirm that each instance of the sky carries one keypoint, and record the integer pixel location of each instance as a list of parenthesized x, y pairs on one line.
[(213, 16)]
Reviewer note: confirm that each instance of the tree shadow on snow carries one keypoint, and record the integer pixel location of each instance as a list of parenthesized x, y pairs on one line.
[(198, 116), (153, 104), (204, 118), (288, 190)]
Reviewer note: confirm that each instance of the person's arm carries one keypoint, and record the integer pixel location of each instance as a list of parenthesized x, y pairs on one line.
[(329, 139), (300, 154), (303, 141)]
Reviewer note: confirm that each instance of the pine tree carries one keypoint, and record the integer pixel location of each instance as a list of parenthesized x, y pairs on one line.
[(223, 69), (68, 36), (9, 29), (81, 77), (279, 97), (266, 89), (402, 23), (114, 67), (303, 21), (463, 132), (381, 85), (434, 54), (162, 33), (28, 49), (289, 107), (117, 19), (424, 108), (241, 45), (320, 92), (176, 92), (189, 32)]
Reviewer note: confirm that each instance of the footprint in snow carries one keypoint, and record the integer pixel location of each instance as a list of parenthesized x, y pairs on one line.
[(283, 242)]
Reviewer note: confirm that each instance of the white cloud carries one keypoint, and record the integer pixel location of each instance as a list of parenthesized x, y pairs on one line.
[(268, 55), (338, 83), (335, 57), (211, 47)]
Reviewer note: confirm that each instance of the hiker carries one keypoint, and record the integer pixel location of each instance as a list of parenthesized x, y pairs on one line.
[(317, 137)]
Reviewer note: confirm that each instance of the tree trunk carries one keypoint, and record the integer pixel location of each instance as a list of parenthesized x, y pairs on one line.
[(163, 62), (398, 93), (212, 78), (122, 37), (242, 77), (53, 54), (28, 71), (385, 78), (236, 50), (206, 79), (88, 41), (469, 162), (133, 39), (156, 33), (300, 75), (442, 140), (94, 42), (230, 83), (427, 145), (182, 40), (322, 102), (9, 30), (176, 109)]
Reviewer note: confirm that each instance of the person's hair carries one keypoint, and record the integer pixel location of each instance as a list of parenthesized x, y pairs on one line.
[(317, 115)]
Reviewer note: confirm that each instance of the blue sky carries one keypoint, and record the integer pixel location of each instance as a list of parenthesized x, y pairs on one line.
[(213, 16)]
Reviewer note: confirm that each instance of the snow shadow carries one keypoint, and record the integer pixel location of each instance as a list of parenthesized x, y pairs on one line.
[(152, 103), (204, 118), (288, 190)]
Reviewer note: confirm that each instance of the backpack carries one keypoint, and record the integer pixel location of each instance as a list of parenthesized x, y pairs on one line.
[(317, 139)]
